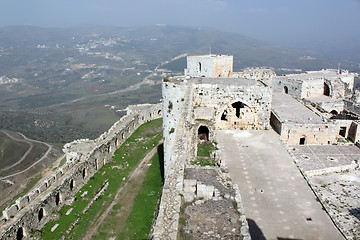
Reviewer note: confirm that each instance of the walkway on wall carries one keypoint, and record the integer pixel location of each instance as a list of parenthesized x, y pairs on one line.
[(126, 193), (276, 198)]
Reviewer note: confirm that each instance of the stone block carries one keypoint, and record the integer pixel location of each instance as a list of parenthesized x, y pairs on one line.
[(204, 191), (12, 210)]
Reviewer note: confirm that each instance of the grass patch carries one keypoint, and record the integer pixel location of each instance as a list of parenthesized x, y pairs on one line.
[(127, 156), (138, 224), (205, 149), (204, 162), (62, 162)]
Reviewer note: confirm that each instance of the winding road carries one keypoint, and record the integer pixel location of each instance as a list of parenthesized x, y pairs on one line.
[(30, 142), (133, 87)]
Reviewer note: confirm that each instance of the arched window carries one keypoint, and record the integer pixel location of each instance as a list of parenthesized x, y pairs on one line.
[(84, 173), (57, 199), (72, 184), (326, 90), (238, 106), (224, 116), (41, 214), (286, 90), (199, 67)]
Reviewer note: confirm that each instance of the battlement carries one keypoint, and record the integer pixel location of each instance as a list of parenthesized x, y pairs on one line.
[(84, 158)]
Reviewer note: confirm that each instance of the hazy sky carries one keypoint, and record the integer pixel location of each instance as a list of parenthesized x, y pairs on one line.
[(282, 21)]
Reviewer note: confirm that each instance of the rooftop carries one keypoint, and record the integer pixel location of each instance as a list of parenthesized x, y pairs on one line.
[(322, 74), (210, 55), (290, 110)]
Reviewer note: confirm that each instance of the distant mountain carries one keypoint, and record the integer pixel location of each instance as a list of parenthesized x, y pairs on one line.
[(164, 42)]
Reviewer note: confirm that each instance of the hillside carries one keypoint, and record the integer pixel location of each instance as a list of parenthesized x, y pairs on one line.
[(73, 83)]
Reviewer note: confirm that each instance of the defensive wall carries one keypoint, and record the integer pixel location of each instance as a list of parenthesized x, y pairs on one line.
[(336, 84), (193, 108), (84, 158)]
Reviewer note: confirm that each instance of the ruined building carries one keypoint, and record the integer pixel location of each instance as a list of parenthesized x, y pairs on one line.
[(210, 97), (304, 109), (215, 98)]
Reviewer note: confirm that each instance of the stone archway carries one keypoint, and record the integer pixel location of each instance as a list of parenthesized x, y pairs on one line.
[(203, 133), (236, 115)]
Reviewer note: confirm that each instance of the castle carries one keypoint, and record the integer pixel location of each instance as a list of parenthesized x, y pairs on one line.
[(303, 109)]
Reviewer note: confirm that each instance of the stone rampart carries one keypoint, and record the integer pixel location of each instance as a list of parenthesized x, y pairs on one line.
[(84, 158), (179, 116)]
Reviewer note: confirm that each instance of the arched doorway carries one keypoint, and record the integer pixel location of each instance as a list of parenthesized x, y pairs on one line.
[(326, 90), (286, 90), (302, 141), (203, 133)]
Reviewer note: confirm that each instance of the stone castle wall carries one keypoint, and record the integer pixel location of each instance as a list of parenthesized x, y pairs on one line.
[(282, 84), (217, 103), (85, 157), (209, 66), (323, 133), (211, 99), (178, 147), (311, 133)]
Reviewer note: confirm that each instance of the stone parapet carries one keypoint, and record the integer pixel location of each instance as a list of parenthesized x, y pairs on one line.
[(84, 158)]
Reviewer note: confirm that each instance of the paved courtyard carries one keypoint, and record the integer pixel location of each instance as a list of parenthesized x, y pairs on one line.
[(315, 157), (276, 199)]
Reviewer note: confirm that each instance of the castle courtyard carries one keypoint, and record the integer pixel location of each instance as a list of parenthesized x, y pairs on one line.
[(277, 200)]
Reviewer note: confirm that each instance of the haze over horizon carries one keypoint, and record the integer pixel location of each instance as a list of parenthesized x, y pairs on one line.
[(298, 23)]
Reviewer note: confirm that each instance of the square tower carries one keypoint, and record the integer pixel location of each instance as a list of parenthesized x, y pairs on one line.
[(209, 66)]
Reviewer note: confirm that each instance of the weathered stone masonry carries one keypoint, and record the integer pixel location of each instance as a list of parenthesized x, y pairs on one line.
[(84, 158)]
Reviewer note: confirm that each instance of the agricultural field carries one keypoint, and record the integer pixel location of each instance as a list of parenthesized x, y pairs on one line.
[(18, 152)]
